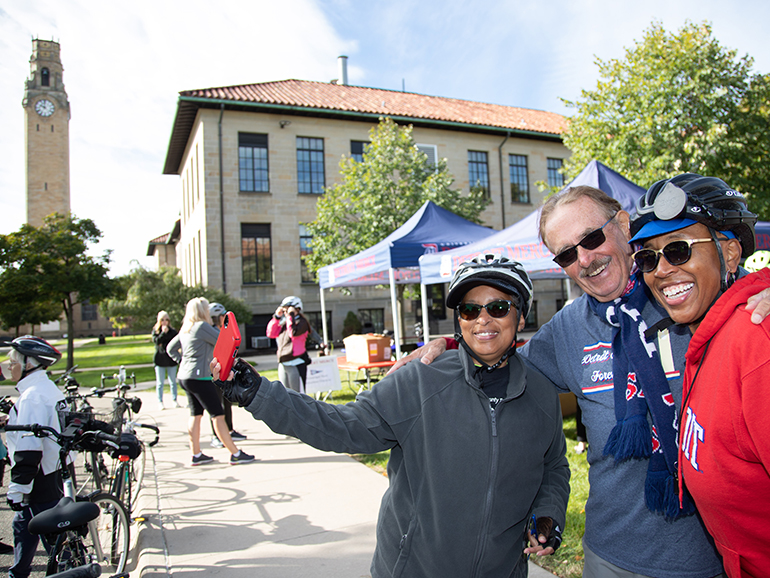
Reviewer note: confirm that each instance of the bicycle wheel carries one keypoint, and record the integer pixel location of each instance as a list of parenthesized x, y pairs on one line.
[(92, 474), (108, 535)]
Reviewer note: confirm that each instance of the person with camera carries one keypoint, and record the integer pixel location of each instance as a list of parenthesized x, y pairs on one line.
[(290, 328), (35, 484), (477, 470)]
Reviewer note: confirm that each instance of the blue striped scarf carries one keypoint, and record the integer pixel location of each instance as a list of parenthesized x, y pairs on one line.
[(646, 392)]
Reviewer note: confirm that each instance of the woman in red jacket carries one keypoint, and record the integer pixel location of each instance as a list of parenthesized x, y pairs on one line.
[(694, 231)]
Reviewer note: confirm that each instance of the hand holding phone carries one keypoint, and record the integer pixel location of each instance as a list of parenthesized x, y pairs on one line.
[(227, 344)]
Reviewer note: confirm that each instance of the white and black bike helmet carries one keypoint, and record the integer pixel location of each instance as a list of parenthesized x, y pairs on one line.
[(292, 301), (216, 309), (36, 348)]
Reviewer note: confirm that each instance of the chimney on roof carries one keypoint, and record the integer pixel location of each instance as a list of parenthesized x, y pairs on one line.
[(342, 61)]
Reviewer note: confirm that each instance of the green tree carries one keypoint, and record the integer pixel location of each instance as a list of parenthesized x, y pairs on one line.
[(52, 261), (378, 195), (148, 292), (677, 103)]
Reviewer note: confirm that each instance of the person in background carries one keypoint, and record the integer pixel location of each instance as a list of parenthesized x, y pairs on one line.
[(693, 231), (193, 349), (165, 367), (626, 533), (290, 329), (4, 548), (217, 312), (36, 484), (476, 439)]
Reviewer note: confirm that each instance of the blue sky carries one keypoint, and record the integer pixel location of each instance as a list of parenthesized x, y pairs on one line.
[(125, 63)]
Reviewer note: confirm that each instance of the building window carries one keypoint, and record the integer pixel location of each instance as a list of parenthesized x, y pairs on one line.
[(517, 166), (45, 77), (437, 300), (256, 253), (531, 322), (372, 320), (305, 249), (430, 151), (555, 178), (88, 312), (310, 165), (478, 170), (357, 149), (252, 162)]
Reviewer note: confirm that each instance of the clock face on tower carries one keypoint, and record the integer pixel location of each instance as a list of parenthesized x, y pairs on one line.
[(44, 107)]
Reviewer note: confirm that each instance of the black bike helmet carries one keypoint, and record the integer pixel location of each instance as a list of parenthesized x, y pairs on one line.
[(500, 272), (707, 200), (36, 348)]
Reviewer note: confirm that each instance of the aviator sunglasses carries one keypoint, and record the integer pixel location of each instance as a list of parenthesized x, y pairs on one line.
[(496, 309), (591, 241), (676, 253)]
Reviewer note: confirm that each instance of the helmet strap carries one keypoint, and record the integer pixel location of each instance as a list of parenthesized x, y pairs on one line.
[(726, 278)]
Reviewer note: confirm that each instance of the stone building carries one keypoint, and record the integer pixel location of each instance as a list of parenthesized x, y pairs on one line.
[(253, 159)]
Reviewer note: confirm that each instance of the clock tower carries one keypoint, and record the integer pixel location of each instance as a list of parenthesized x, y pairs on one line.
[(47, 114)]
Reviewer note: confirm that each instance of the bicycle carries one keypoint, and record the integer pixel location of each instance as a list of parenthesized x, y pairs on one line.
[(81, 530), (124, 478), (128, 473)]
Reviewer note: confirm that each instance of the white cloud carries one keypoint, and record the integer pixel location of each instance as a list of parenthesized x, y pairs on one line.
[(125, 63)]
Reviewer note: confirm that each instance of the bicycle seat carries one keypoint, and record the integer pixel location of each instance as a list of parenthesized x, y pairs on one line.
[(65, 515)]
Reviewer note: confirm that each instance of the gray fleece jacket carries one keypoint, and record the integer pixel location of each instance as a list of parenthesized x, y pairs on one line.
[(464, 477), (193, 351)]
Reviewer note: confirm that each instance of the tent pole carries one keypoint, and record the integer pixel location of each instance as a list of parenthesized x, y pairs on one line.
[(569, 289), (323, 317), (425, 320), (394, 307)]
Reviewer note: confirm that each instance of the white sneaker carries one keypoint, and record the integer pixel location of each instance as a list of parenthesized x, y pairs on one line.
[(177, 404), (161, 407), (215, 443)]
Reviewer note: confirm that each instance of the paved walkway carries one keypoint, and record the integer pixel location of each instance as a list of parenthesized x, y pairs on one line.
[(297, 512)]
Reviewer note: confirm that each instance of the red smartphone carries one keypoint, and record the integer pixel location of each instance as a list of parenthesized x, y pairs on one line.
[(227, 344)]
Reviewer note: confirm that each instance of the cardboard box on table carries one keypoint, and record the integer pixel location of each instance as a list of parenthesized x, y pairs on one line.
[(368, 348)]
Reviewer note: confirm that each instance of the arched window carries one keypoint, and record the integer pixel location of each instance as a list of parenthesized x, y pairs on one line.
[(45, 77)]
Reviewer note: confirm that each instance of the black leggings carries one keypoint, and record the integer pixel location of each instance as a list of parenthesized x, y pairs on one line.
[(202, 394)]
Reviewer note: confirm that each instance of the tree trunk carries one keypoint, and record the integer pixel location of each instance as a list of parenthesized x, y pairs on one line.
[(68, 306)]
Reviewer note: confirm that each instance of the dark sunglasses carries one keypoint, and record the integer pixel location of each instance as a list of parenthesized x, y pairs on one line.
[(676, 253), (591, 241), (497, 309)]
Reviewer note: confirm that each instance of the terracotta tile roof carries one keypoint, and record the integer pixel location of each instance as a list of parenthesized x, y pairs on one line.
[(332, 100), (358, 99)]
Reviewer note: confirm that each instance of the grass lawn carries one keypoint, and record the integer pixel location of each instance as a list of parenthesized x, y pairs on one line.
[(567, 562), (128, 350)]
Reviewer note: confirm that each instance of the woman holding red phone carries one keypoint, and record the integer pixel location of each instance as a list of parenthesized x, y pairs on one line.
[(193, 349)]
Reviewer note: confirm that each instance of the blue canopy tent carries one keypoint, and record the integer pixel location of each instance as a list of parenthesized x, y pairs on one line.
[(394, 260), (520, 241)]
